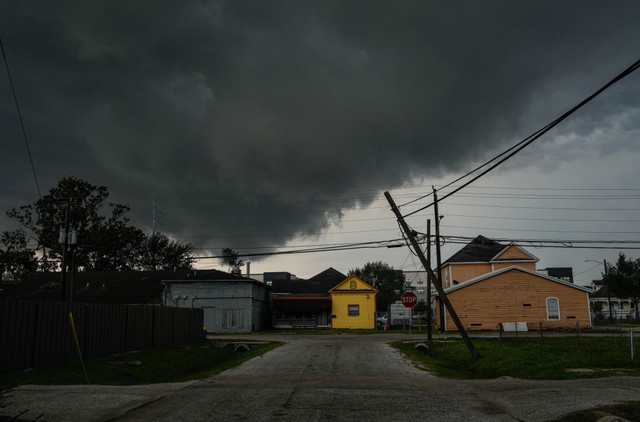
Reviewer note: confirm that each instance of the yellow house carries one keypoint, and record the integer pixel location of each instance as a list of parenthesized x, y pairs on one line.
[(353, 304)]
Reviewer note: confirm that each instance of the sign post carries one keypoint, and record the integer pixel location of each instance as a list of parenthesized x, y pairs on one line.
[(409, 299)]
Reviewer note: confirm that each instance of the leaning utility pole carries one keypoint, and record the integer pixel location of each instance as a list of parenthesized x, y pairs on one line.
[(425, 264), (438, 256), (429, 310)]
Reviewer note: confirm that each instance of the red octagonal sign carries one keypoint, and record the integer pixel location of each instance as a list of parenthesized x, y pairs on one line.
[(409, 299)]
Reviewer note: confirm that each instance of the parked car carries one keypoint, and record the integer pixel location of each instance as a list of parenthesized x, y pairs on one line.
[(381, 321)]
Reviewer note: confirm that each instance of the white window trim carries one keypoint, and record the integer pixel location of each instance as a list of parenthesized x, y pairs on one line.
[(547, 303)]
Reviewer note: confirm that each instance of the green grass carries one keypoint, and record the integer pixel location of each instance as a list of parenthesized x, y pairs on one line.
[(529, 358), (159, 364)]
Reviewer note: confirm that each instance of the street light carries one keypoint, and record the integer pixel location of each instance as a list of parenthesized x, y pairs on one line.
[(606, 283)]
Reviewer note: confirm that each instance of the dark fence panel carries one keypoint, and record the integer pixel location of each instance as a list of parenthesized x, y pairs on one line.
[(17, 328), (196, 325), (107, 335), (181, 325), (36, 333), (54, 342), (162, 326), (139, 327)]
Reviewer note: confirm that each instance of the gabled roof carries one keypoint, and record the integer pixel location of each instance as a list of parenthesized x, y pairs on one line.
[(361, 286), (499, 257), (330, 275), (479, 249), (124, 287), (482, 249), (513, 268), (318, 284), (605, 293)]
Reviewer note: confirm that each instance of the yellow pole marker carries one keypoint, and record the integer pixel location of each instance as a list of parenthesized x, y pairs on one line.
[(75, 337)]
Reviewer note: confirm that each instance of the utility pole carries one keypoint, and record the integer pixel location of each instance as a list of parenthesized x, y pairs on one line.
[(606, 272), (429, 310), (153, 219), (65, 246), (438, 256), (425, 264)]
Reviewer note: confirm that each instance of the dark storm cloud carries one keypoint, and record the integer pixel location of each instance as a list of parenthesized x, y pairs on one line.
[(245, 113)]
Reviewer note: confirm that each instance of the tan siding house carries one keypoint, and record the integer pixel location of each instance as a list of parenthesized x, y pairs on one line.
[(518, 294), (482, 256)]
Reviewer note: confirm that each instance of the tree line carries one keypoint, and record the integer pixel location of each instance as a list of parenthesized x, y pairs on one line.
[(623, 280), (104, 238)]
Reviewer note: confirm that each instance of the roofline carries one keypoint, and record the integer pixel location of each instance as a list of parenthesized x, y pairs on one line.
[(499, 261), (465, 262), (335, 287), (521, 250), (209, 280), (514, 267)]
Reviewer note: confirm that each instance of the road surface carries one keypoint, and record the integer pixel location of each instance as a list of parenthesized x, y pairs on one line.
[(325, 378)]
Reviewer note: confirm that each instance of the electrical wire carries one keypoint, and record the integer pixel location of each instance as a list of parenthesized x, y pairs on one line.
[(24, 132), (507, 154)]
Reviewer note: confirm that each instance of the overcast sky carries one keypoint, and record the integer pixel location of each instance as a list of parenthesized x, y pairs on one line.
[(264, 124)]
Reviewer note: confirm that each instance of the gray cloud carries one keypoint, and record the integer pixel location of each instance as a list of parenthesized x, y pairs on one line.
[(269, 119)]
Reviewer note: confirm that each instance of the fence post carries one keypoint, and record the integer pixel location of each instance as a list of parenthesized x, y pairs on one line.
[(631, 337), (540, 329), (500, 331)]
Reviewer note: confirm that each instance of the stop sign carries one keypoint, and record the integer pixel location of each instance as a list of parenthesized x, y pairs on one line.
[(409, 299)]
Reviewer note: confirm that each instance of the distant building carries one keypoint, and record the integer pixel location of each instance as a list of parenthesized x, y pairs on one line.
[(562, 273)]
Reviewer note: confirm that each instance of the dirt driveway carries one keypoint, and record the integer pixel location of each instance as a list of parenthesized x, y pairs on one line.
[(325, 378)]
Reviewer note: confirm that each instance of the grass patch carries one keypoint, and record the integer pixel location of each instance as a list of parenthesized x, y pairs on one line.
[(627, 410), (529, 358), (156, 365)]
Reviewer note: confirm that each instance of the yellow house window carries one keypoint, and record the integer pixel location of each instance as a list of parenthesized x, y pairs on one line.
[(353, 285), (354, 310)]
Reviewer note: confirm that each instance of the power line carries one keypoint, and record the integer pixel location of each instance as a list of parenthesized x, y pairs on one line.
[(530, 139), (24, 132)]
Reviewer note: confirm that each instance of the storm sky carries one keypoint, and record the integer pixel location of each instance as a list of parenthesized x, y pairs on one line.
[(259, 124)]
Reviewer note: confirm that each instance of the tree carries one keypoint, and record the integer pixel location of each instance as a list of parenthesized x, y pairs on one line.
[(623, 279), (158, 252), (383, 277), (231, 258), (16, 260), (105, 239)]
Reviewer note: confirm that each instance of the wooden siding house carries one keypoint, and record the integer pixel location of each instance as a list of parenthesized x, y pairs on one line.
[(304, 303), (353, 304), (489, 283), (482, 256)]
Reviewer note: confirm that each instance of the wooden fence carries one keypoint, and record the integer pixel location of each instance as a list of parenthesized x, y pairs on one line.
[(38, 333)]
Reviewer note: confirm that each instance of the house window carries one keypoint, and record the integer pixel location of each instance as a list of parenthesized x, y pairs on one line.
[(354, 310), (232, 318), (353, 284), (553, 308)]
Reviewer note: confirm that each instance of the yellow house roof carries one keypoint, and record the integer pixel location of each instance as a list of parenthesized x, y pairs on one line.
[(353, 284)]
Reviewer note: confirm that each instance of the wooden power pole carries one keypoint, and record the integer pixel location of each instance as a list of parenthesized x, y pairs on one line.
[(425, 264), (429, 310)]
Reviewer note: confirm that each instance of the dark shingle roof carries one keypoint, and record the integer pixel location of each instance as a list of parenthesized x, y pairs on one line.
[(479, 249), (330, 275), (319, 283), (110, 286)]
